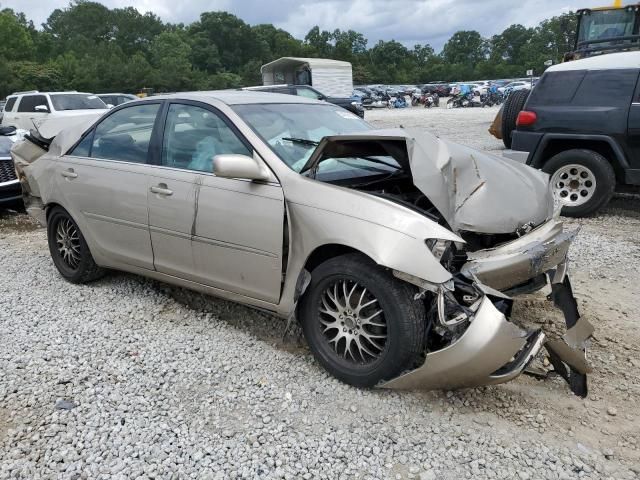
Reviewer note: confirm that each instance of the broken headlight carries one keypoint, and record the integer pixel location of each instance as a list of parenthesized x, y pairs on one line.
[(438, 247)]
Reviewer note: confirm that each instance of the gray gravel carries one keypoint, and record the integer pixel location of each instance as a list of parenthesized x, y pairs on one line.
[(130, 378)]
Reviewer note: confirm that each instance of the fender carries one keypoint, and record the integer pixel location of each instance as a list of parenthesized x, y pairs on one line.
[(536, 160)]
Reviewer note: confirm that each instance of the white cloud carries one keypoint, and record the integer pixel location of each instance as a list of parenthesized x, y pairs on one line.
[(408, 21)]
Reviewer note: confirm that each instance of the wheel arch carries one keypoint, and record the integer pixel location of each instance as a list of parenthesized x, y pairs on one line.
[(328, 251), (606, 146)]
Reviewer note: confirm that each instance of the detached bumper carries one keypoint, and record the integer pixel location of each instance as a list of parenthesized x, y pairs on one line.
[(492, 350), (518, 262)]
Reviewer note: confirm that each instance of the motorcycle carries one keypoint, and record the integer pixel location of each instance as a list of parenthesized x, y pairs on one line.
[(461, 100), (431, 100), (398, 102)]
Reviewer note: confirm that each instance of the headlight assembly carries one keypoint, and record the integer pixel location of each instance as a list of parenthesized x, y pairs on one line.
[(438, 247)]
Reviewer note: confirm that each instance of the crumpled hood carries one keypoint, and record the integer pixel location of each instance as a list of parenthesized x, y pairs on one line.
[(473, 190), (49, 127), (477, 191)]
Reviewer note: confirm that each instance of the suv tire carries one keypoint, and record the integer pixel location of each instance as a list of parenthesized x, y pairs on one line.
[(361, 281), (512, 107), (584, 177), (69, 250)]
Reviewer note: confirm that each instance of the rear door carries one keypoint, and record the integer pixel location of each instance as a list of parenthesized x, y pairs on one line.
[(104, 184)]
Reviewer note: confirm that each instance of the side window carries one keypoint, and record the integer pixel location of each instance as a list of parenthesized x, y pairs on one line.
[(83, 149), (194, 135), (307, 92), (556, 87), (607, 88), (125, 135), (28, 103), (10, 103)]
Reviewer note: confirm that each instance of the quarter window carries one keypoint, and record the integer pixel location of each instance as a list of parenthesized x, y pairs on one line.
[(9, 105), (125, 135), (194, 135), (28, 103)]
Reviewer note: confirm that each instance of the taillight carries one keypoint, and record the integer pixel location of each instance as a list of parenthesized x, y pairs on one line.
[(526, 118)]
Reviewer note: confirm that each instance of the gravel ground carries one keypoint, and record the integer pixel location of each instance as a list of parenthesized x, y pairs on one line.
[(131, 378)]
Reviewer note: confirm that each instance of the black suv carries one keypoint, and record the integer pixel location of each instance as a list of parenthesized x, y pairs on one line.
[(581, 125), (310, 92)]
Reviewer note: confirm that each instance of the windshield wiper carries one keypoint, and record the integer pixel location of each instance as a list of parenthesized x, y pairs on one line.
[(302, 141)]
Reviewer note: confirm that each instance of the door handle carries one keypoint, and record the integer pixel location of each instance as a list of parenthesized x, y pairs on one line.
[(69, 173), (161, 189)]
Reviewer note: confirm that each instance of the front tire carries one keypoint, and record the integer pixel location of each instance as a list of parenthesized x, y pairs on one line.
[(69, 250), (583, 181), (361, 323)]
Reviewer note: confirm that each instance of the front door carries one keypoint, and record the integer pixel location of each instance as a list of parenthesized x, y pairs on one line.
[(104, 183), (225, 233)]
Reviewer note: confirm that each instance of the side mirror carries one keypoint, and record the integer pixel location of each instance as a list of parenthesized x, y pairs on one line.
[(41, 108), (110, 105), (239, 166)]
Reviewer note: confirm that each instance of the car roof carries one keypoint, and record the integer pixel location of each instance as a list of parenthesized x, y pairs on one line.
[(238, 97), (600, 62)]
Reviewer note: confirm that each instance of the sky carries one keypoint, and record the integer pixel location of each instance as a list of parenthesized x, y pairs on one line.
[(407, 21)]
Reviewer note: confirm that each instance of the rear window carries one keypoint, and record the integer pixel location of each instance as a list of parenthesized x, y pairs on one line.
[(10, 103), (556, 87), (607, 88)]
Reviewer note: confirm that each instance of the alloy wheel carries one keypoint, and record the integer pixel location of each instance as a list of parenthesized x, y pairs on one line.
[(353, 322), (68, 243)]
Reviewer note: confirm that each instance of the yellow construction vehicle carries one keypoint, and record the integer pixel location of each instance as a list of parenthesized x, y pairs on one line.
[(605, 30)]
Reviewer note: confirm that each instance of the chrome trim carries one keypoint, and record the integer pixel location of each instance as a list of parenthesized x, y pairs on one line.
[(211, 241), (117, 221), (10, 182)]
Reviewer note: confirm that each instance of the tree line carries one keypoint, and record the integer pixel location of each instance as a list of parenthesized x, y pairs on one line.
[(89, 47)]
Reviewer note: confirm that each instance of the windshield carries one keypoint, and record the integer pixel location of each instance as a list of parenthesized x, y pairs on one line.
[(604, 24), (76, 101), (294, 130)]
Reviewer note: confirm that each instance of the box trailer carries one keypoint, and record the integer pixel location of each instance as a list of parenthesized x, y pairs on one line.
[(333, 78)]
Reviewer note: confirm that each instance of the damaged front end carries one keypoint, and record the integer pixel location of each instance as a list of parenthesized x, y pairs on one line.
[(514, 243), (474, 340)]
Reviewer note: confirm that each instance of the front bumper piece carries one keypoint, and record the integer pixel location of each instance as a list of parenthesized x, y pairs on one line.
[(492, 350)]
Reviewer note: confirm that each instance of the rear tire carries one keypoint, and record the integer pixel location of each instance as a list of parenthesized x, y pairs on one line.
[(391, 318), (513, 105), (583, 181), (69, 250)]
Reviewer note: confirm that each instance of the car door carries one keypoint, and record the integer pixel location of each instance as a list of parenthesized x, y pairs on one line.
[(221, 232), (633, 135), (103, 181), (31, 110)]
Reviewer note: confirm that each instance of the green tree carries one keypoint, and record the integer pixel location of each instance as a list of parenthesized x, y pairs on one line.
[(466, 47)]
